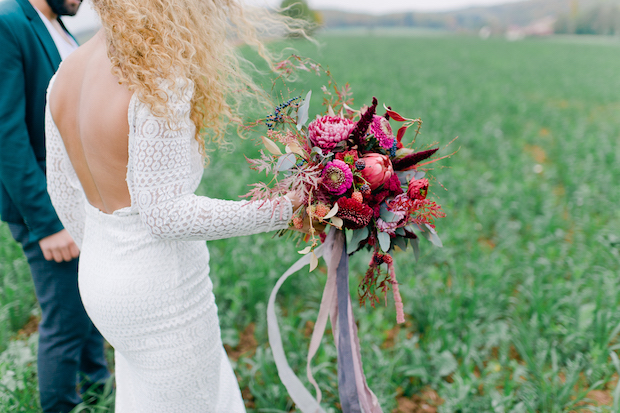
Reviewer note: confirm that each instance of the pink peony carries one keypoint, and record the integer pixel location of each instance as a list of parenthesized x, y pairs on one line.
[(378, 169), (326, 132), (380, 127), (337, 177)]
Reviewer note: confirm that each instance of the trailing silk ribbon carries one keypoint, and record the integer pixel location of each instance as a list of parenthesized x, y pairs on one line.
[(300, 395), (355, 395)]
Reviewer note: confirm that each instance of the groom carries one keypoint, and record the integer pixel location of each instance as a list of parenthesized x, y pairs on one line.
[(34, 40)]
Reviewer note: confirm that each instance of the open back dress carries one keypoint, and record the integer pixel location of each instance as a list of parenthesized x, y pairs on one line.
[(144, 269)]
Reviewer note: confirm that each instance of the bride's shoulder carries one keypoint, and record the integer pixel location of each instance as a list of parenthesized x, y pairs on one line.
[(171, 98), (177, 88), (171, 101), (77, 62)]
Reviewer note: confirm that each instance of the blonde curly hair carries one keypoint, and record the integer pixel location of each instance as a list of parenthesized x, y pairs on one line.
[(151, 40)]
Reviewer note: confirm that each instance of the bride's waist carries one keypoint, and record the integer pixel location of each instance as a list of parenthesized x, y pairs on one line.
[(124, 234), (120, 231)]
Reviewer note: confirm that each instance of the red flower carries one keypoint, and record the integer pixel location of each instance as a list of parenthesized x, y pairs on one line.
[(393, 185), (374, 200), (354, 214), (348, 157), (418, 188)]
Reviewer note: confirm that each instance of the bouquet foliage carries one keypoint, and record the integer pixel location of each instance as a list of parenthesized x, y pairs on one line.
[(354, 173)]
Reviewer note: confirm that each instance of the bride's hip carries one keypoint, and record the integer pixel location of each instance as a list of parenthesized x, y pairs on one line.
[(154, 282)]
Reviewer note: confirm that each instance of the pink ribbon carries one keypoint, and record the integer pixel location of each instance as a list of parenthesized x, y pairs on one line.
[(356, 396)]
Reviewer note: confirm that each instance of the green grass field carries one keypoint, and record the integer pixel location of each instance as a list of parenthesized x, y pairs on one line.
[(518, 311)]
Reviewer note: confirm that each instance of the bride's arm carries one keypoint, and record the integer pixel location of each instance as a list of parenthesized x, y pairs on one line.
[(63, 184), (161, 170)]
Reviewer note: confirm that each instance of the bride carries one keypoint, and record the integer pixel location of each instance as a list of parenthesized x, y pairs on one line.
[(124, 123)]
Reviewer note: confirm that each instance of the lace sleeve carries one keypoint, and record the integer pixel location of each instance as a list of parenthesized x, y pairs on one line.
[(165, 167), (63, 185)]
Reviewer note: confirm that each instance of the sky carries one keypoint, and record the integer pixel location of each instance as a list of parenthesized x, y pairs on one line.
[(86, 17)]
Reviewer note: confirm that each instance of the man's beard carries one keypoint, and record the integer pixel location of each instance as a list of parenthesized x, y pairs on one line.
[(60, 8)]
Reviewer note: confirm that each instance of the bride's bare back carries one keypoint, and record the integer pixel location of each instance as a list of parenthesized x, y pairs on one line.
[(89, 107)]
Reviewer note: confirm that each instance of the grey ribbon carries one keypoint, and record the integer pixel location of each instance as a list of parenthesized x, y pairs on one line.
[(347, 386)]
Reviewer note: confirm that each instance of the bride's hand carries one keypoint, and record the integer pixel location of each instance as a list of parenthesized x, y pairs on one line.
[(296, 200)]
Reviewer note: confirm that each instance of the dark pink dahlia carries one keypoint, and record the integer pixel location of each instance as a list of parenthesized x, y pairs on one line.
[(354, 214), (393, 185), (337, 177)]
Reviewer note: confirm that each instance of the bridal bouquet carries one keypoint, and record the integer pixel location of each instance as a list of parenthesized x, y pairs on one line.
[(355, 174), (365, 182)]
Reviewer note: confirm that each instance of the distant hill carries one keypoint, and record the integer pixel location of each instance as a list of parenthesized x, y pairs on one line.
[(498, 18)]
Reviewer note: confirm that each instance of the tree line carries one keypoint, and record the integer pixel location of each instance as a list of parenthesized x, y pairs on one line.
[(603, 19)]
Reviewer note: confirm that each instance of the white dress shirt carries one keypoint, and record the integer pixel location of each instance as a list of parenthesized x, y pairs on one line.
[(65, 44)]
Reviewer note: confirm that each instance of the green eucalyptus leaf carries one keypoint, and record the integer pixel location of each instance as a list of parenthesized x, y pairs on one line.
[(286, 162), (424, 231), (400, 242), (415, 244), (302, 112), (433, 237), (405, 176), (384, 241), (317, 150), (357, 236), (386, 215)]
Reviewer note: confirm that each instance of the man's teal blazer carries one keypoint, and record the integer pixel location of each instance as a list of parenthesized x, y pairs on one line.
[(28, 60)]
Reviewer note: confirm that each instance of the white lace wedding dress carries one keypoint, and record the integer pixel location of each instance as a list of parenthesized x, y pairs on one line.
[(144, 269)]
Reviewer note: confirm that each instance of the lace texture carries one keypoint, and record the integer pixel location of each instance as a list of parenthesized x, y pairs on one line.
[(144, 273), (63, 184), (164, 171)]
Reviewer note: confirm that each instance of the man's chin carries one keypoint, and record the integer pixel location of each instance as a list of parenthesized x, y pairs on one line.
[(71, 12), (71, 9), (64, 7)]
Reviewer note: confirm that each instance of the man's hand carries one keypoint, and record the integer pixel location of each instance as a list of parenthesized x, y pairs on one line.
[(59, 247)]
